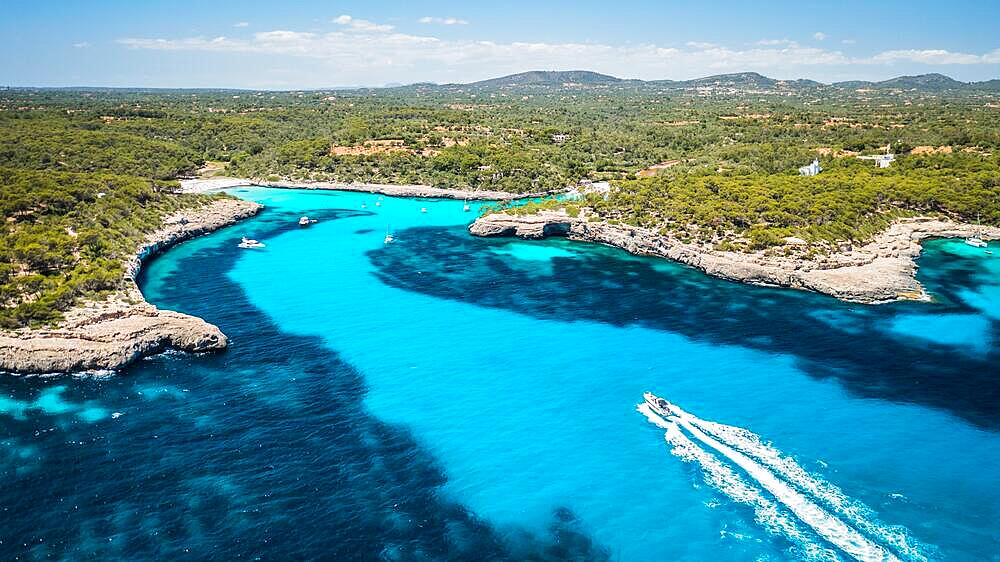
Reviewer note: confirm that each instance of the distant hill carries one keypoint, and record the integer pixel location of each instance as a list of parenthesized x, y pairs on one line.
[(933, 82), (555, 79), (927, 82), (737, 80), (548, 78)]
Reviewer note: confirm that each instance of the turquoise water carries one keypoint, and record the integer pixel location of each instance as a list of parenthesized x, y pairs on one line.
[(446, 396)]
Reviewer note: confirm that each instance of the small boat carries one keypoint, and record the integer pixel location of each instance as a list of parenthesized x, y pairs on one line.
[(306, 221), (364, 206), (466, 206), (975, 241), (388, 239), (250, 243), (378, 203), (423, 209)]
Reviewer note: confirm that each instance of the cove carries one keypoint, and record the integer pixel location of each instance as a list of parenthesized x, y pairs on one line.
[(452, 397)]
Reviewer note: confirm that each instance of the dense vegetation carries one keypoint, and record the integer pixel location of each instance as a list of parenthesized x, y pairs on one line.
[(850, 201), (737, 143), (67, 235)]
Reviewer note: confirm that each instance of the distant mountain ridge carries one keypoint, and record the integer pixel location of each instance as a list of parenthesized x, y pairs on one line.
[(549, 78), (933, 82)]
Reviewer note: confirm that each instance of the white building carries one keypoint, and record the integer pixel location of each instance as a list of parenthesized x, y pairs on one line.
[(884, 160), (811, 169)]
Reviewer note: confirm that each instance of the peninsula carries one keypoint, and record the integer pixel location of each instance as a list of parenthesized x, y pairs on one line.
[(879, 271), (112, 332)]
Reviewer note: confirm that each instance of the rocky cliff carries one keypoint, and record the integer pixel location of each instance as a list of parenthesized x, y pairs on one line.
[(880, 271), (113, 333)]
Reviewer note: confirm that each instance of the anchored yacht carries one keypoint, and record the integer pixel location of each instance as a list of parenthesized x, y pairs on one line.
[(250, 243), (306, 221)]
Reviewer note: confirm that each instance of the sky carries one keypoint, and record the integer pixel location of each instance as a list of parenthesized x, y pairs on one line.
[(322, 44)]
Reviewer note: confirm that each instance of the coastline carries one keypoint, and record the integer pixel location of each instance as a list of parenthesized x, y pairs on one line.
[(110, 334), (882, 270), (414, 190)]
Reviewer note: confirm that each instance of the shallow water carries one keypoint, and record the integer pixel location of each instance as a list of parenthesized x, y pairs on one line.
[(454, 397)]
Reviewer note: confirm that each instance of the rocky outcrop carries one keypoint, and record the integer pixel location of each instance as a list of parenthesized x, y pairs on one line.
[(209, 184), (882, 270), (113, 333)]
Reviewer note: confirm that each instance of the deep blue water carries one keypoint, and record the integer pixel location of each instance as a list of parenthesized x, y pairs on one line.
[(450, 397)]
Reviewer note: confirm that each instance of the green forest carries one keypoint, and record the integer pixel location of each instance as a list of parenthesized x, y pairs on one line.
[(87, 173)]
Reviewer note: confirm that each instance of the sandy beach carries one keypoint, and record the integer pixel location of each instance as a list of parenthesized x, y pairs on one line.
[(215, 184)]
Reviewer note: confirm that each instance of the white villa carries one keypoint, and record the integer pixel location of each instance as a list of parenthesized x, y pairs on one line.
[(811, 169), (881, 160)]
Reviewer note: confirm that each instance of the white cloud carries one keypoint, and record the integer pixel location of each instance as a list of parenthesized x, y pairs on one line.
[(935, 56), (356, 24), (241, 24), (776, 43), (362, 52), (81, 45), (443, 21), (848, 41), (819, 36)]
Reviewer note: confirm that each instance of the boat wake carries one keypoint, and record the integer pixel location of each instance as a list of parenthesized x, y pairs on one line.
[(817, 517)]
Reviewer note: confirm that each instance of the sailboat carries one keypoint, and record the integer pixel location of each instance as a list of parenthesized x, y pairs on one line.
[(976, 240), (388, 236), (466, 206)]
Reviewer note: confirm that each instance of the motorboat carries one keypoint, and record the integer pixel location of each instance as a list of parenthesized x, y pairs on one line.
[(306, 221), (378, 203), (659, 405), (423, 209), (250, 243)]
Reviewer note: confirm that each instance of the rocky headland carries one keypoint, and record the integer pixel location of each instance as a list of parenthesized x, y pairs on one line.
[(112, 333), (212, 184), (881, 270)]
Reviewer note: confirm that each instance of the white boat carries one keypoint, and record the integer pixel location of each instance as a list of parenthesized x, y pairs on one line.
[(364, 206), (250, 243), (423, 209), (305, 221), (466, 207), (378, 203), (975, 241), (388, 239)]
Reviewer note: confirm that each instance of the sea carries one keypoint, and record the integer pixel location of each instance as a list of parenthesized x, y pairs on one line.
[(448, 397)]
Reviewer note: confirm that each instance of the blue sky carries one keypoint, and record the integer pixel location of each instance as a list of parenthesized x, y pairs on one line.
[(316, 44)]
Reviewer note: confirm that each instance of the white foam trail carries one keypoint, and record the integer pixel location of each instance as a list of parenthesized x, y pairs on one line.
[(856, 513), (724, 479), (837, 532)]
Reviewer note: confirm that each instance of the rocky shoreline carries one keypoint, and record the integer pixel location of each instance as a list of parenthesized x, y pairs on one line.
[(212, 184), (883, 270), (111, 334)]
